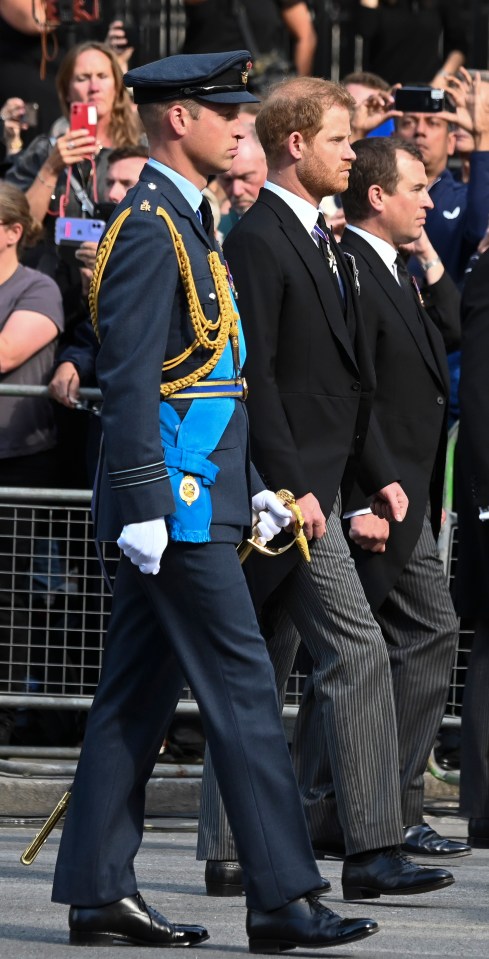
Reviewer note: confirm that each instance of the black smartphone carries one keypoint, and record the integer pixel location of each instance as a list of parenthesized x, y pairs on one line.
[(104, 210), (423, 100), (31, 115)]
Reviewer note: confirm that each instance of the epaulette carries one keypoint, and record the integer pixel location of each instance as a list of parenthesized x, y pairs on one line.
[(103, 254), (144, 200)]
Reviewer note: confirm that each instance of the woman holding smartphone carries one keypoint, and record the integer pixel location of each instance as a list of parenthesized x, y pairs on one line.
[(90, 74), (66, 174)]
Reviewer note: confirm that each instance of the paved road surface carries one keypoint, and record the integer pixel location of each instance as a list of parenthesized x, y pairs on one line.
[(451, 923)]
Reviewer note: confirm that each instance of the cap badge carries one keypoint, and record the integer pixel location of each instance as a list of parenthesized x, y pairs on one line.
[(244, 73)]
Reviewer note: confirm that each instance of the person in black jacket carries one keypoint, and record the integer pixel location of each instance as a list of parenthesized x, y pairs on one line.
[(472, 582), (398, 565), (402, 38), (269, 27)]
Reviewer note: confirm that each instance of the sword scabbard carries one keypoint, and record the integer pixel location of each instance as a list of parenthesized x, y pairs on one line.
[(33, 848)]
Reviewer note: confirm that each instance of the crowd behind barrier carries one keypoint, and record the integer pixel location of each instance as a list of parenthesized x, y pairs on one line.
[(379, 652)]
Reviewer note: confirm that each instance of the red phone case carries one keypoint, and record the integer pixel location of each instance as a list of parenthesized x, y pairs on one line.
[(83, 116)]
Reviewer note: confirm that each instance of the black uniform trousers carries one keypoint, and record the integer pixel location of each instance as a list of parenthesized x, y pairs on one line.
[(195, 618)]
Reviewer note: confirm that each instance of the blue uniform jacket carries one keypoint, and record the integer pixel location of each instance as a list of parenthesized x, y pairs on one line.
[(143, 320)]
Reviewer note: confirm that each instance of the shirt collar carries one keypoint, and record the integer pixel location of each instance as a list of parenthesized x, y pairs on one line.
[(306, 212), (191, 193), (387, 253)]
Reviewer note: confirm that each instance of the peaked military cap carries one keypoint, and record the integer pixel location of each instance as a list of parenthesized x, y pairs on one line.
[(212, 77)]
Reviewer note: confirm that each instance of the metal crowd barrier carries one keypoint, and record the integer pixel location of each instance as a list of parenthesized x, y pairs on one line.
[(55, 604), (54, 601)]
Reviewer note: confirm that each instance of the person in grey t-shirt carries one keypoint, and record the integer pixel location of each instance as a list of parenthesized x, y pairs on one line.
[(31, 317)]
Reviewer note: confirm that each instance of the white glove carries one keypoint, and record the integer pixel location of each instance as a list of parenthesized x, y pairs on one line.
[(269, 515), (144, 544)]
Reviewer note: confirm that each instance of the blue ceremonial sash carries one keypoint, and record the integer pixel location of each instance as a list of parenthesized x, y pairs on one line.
[(187, 444)]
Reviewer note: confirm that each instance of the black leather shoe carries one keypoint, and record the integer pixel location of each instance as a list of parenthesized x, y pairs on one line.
[(390, 873), (329, 849), (422, 840), (226, 879), (223, 878), (129, 920), (479, 833), (303, 922)]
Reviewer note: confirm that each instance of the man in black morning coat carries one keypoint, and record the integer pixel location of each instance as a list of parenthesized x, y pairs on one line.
[(311, 388), (403, 578)]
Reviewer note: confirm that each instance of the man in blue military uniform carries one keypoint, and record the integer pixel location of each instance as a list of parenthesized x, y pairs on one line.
[(176, 480)]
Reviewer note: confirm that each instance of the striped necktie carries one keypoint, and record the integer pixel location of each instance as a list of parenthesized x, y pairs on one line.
[(324, 241)]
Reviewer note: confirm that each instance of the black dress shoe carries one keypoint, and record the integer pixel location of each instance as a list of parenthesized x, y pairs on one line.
[(479, 833), (390, 873), (329, 849), (223, 878), (303, 922), (129, 920), (226, 879), (422, 840)]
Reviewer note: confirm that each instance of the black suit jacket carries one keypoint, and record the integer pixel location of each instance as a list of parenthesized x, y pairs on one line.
[(311, 388), (410, 402), (472, 579)]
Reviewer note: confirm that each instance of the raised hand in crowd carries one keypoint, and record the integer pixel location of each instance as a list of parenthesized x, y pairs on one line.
[(470, 94), (371, 112), (71, 147), (425, 253), (86, 254), (117, 39), (12, 113)]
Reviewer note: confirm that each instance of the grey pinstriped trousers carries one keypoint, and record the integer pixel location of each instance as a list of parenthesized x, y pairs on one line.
[(420, 630), (353, 685)]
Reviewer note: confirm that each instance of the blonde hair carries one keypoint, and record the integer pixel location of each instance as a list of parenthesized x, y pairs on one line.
[(124, 126), (14, 208)]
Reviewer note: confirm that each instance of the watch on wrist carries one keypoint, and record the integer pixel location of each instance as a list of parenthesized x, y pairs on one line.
[(427, 264)]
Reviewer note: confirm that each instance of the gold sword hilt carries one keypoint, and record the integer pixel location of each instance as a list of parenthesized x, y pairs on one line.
[(30, 853), (248, 545)]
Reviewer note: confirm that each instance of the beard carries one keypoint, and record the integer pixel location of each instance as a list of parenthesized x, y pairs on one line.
[(318, 179)]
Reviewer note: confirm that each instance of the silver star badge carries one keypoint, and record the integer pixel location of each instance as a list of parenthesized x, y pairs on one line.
[(331, 257), (350, 259)]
